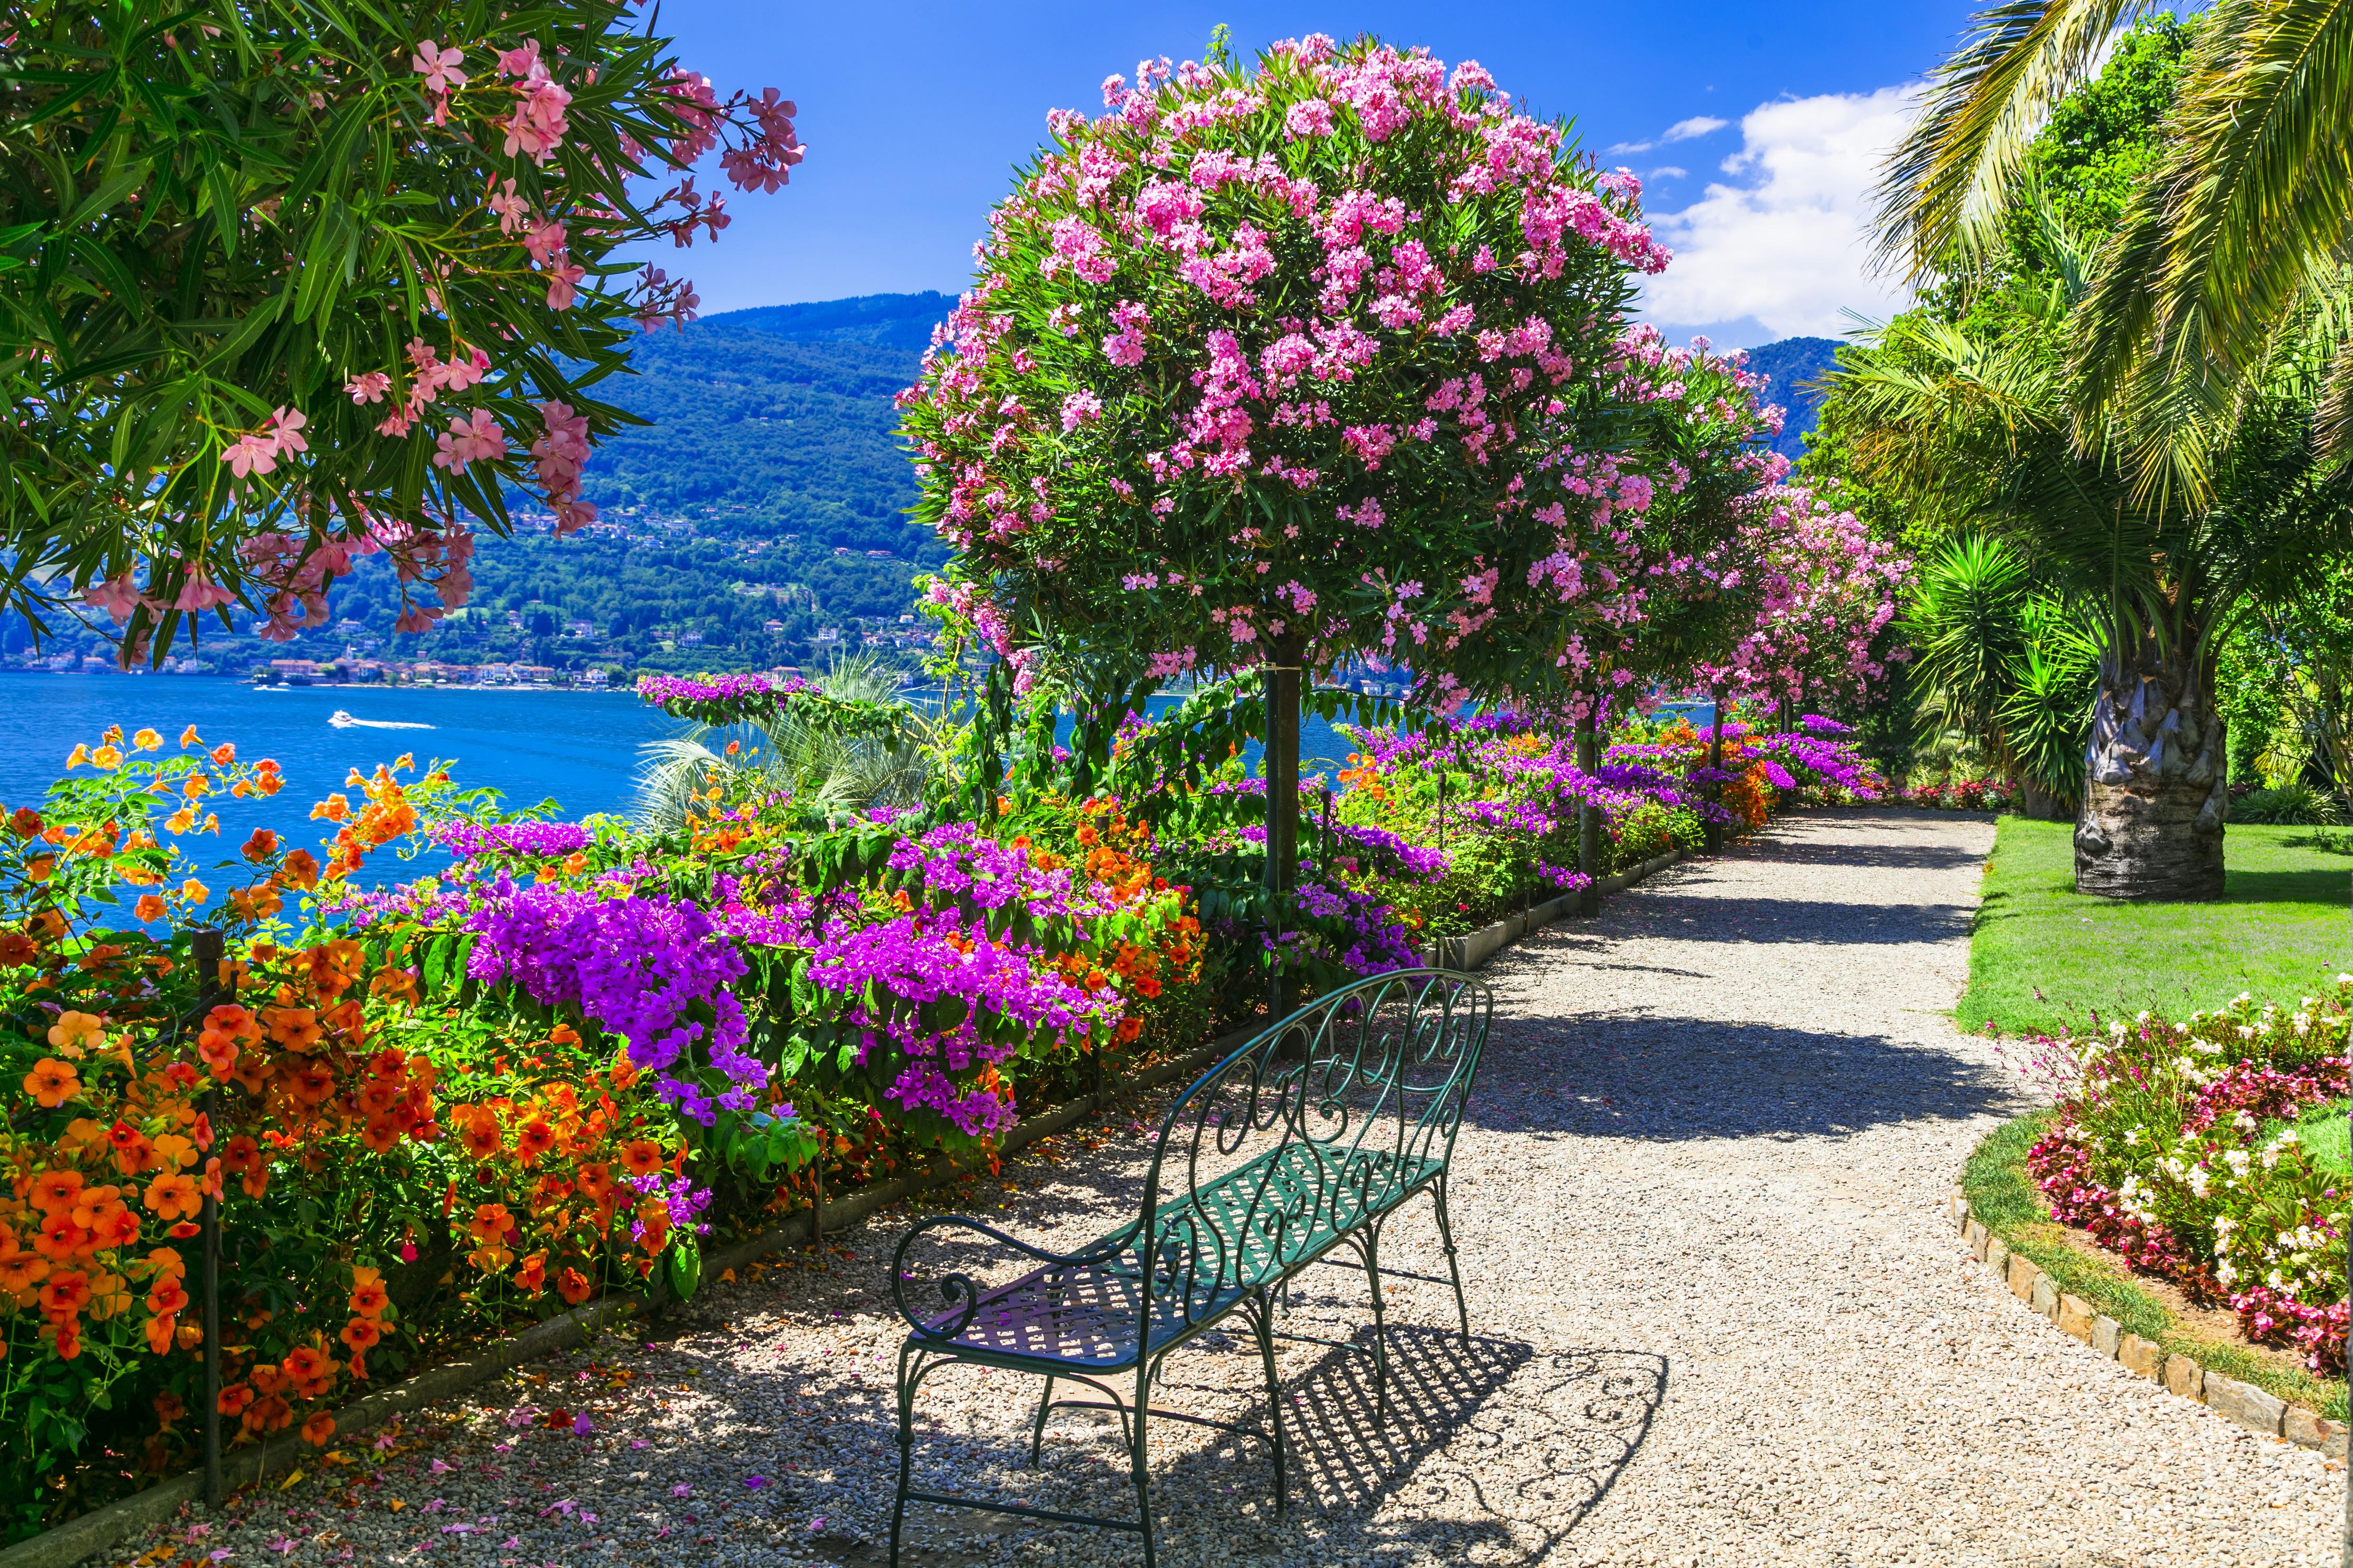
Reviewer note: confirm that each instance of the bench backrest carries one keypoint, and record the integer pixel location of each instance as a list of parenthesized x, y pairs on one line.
[(1328, 1117)]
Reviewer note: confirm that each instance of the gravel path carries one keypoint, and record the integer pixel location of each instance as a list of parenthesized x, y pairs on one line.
[(1719, 1318)]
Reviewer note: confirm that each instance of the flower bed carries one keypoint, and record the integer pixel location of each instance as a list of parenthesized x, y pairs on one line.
[(1966, 794), (2176, 1146), (430, 1110)]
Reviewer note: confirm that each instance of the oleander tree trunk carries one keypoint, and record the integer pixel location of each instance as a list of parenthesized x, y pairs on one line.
[(2154, 795)]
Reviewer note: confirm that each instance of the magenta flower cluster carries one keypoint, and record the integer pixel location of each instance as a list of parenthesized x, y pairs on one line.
[(538, 840), (660, 691), (948, 1000), (650, 969)]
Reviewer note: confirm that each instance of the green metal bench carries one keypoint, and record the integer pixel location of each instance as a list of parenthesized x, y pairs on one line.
[(1305, 1138)]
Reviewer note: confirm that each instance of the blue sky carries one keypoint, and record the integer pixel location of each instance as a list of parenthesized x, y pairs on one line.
[(1757, 127)]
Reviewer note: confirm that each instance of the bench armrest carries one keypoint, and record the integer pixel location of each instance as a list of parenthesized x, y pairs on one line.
[(960, 1292)]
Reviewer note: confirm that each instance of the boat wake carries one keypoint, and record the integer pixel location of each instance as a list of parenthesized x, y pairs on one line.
[(343, 720)]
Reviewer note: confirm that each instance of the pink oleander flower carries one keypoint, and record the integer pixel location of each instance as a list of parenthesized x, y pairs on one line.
[(286, 431), (439, 66), (254, 453), (564, 284), (478, 439)]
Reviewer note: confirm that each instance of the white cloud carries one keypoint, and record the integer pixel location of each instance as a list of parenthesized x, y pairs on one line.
[(1697, 125), (1681, 130), (1669, 172), (1783, 243)]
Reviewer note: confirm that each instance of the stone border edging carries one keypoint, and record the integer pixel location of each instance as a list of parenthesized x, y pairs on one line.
[(2252, 1407), (1470, 951), (63, 1545)]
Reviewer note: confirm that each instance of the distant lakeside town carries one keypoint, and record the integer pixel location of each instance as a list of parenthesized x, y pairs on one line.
[(707, 591)]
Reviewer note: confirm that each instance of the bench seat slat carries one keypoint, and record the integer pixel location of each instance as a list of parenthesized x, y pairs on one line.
[(1086, 1315)]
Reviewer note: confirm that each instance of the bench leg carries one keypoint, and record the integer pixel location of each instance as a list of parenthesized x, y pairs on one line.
[(1037, 1431), (1262, 1321), (1446, 1237), (1141, 1463), (1370, 1250), (906, 1451)]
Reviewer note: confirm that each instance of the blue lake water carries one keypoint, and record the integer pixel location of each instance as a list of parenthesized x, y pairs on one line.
[(580, 748)]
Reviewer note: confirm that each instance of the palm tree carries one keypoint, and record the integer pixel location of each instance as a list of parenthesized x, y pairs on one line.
[(1980, 422), (816, 765), (2241, 229)]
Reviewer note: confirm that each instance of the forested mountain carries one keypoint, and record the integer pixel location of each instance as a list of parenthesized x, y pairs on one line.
[(1794, 363), (775, 421)]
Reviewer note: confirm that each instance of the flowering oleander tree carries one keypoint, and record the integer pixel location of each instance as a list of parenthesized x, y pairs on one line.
[(1822, 593), (283, 285), (1316, 359)]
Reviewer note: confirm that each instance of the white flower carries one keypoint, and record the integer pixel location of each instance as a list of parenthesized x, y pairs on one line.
[(2224, 1272)]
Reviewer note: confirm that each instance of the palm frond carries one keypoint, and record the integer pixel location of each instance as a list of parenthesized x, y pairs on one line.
[(2242, 225), (670, 773), (1952, 179)]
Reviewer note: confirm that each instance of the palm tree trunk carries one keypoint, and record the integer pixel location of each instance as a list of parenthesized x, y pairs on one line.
[(2151, 826)]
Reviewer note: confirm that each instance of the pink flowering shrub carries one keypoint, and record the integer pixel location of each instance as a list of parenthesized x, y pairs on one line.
[(406, 237), (2174, 1147), (1316, 357), (1824, 593)]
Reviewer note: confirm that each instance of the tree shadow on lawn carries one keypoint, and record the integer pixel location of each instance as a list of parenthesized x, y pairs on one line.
[(1732, 916), (1673, 1077), (1493, 1447), (2325, 887)]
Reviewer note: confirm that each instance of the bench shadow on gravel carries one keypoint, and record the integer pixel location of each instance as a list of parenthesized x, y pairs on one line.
[(1669, 1077), (1461, 1466), (1451, 1468)]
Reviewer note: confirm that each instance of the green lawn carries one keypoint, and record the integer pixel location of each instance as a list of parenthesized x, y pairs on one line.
[(2040, 956)]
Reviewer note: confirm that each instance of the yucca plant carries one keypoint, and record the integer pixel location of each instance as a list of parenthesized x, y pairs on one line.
[(2046, 716), (2011, 666)]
